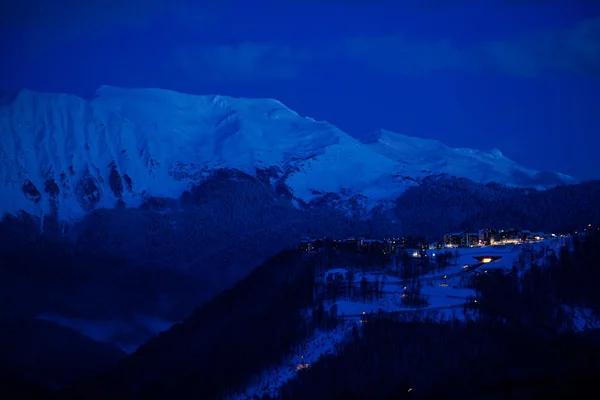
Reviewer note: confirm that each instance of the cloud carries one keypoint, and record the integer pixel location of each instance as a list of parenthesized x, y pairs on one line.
[(249, 61), (575, 50), (396, 54), (47, 25)]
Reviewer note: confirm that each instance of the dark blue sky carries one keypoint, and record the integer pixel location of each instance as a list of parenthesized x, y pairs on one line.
[(519, 75)]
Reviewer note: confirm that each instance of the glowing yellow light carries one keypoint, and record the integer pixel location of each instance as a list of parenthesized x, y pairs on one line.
[(410, 389), (486, 260)]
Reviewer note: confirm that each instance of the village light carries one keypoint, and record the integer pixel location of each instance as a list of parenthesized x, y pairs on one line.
[(486, 260)]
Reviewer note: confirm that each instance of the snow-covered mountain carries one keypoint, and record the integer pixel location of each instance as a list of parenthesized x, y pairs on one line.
[(421, 157), (74, 154)]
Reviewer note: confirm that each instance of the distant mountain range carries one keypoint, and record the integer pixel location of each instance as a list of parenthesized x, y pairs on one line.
[(65, 154)]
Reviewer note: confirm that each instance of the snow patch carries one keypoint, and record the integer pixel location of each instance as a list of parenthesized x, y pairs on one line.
[(271, 381)]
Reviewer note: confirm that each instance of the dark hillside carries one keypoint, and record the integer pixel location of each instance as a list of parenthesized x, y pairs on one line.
[(442, 205), (223, 344)]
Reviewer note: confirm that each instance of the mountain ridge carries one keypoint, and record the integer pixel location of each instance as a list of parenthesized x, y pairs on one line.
[(434, 156), (64, 154)]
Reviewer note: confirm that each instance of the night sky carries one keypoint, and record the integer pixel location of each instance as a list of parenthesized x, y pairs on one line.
[(519, 75)]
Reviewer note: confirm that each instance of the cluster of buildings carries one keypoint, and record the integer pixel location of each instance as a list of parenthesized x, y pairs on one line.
[(417, 247), (362, 245), (491, 237)]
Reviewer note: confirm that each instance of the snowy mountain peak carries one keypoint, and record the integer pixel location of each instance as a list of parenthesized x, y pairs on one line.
[(145, 97), (419, 156), (63, 153)]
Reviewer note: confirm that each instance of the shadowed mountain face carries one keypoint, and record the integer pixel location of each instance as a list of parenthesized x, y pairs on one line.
[(199, 353), (121, 275), (139, 270), (448, 205)]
